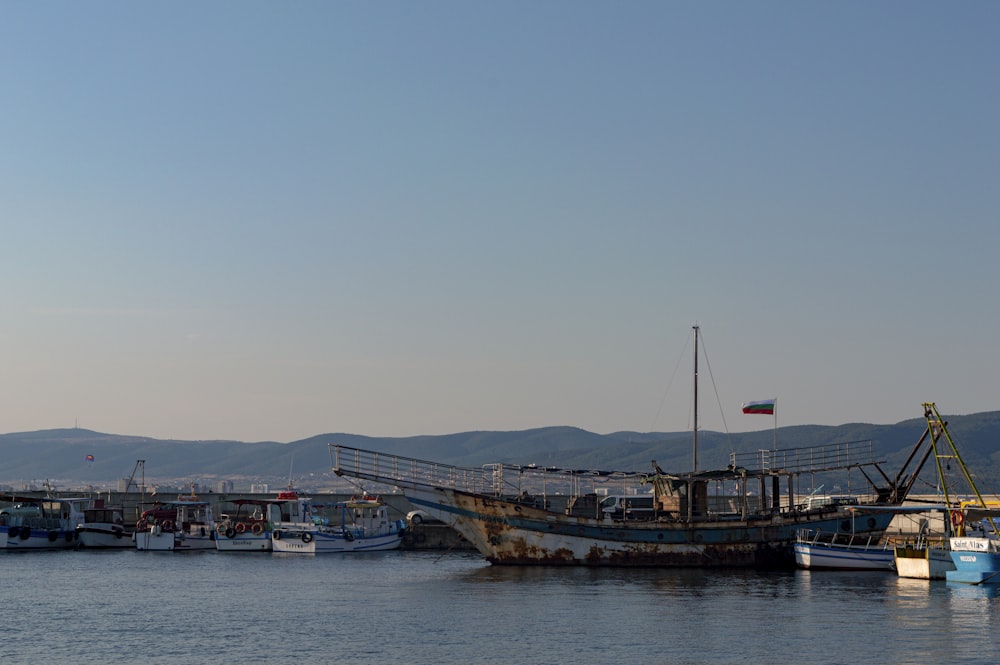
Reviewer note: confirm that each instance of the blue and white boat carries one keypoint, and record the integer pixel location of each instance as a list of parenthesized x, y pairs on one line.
[(975, 549), (833, 551), (977, 560), (974, 553), (30, 523), (361, 524)]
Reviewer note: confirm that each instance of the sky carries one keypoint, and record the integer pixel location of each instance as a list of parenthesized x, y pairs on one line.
[(265, 221)]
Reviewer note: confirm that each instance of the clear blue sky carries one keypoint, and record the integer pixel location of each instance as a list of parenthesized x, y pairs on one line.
[(266, 221)]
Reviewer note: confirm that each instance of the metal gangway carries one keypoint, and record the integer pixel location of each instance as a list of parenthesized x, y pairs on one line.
[(490, 479), (808, 459)]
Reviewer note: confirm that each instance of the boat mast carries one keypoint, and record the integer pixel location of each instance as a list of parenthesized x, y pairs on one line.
[(694, 454)]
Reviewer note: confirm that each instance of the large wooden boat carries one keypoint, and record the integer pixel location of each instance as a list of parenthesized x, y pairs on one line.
[(745, 515)]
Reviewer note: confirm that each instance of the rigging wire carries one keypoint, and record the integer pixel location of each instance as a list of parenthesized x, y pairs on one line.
[(718, 401), (670, 384)]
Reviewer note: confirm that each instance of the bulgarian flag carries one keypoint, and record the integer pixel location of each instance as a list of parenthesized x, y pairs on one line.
[(764, 406)]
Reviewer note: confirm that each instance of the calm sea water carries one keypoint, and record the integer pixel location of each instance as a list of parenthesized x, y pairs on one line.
[(407, 607)]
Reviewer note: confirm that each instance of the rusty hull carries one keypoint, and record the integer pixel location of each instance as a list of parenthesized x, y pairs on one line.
[(506, 532)]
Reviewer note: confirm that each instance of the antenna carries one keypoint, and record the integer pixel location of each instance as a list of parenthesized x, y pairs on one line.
[(290, 462)]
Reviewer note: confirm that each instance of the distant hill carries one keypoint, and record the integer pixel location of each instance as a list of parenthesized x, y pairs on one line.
[(60, 455)]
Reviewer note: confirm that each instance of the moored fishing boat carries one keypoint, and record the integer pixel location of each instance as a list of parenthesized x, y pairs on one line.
[(175, 526), (31, 523), (248, 530), (103, 528), (361, 524), (976, 555), (103, 525), (745, 515), (251, 529), (514, 527), (834, 551)]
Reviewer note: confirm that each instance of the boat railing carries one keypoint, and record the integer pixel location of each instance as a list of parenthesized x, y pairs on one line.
[(818, 537), (809, 459)]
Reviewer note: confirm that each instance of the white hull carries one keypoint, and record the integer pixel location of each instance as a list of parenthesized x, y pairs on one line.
[(244, 542), (154, 540), (103, 536), (842, 557), (189, 527), (157, 540), (319, 542)]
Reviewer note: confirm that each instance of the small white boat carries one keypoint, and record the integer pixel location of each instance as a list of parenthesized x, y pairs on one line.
[(359, 525), (191, 527), (103, 528), (817, 550), (30, 523), (249, 529)]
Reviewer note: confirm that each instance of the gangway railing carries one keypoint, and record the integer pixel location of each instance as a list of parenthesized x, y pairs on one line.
[(490, 479), (810, 459), (409, 472), (512, 479)]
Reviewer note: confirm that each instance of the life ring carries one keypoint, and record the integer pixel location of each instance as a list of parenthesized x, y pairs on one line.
[(957, 518), (276, 535), (167, 525), (241, 527), (348, 536), (230, 532), (222, 528), (845, 525), (307, 537), (257, 529)]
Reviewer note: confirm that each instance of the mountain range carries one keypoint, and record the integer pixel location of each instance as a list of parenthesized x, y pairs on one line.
[(73, 457)]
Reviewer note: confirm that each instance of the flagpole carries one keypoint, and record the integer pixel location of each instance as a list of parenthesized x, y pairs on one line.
[(775, 445)]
